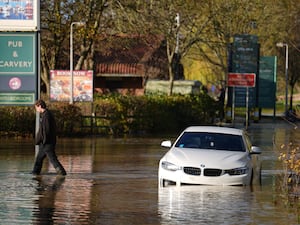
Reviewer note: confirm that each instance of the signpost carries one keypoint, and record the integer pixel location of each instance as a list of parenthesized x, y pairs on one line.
[(242, 64), (241, 80), (20, 52)]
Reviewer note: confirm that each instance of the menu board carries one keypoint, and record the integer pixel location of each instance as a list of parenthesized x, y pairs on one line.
[(60, 85)]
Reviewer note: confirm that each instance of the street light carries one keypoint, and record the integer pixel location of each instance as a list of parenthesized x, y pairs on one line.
[(176, 55), (281, 45), (71, 58), (177, 19)]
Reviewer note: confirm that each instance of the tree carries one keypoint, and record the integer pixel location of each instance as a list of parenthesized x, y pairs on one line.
[(291, 37), (56, 19), (202, 31), (54, 31), (230, 18), (180, 22)]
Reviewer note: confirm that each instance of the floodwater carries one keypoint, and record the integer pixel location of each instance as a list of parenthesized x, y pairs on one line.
[(114, 181)]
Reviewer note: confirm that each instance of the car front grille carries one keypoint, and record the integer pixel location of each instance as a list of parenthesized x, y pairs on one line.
[(212, 172), (206, 172), (192, 171)]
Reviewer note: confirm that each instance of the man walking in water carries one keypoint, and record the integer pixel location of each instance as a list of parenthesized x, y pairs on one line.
[(46, 139)]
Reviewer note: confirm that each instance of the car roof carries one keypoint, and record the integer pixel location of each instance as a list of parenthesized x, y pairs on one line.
[(215, 129)]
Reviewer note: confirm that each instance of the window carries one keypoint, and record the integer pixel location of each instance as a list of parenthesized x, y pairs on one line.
[(216, 141)]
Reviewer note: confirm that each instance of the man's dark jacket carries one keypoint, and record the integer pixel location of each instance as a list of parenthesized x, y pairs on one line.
[(47, 130)]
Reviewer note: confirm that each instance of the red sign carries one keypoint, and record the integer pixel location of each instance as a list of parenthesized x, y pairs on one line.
[(241, 80)]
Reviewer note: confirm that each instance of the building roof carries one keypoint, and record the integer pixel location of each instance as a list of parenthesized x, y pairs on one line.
[(138, 55)]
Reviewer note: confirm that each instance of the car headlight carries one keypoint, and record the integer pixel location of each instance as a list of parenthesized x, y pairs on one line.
[(237, 171), (170, 166)]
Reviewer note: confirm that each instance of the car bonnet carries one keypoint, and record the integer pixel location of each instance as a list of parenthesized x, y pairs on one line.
[(209, 158)]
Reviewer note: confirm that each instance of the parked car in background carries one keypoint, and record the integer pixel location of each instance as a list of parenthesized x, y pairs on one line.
[(210, 155)]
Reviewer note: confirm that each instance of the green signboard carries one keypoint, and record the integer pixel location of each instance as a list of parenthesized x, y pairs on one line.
[(267, 82), (14, 98), (18, 67), (17, 54)]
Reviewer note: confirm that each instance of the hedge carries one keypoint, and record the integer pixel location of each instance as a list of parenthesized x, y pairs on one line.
[(148, 114)]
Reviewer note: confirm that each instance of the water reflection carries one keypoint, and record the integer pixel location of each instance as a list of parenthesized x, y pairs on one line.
[(46, 189), (62, 200), (16, 194), (205, 205), (114, 181), (219, 205)]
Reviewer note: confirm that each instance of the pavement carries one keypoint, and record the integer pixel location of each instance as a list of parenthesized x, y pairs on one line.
[(266, 121)]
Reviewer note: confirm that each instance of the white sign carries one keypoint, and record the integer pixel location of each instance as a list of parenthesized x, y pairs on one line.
[(19, 15)]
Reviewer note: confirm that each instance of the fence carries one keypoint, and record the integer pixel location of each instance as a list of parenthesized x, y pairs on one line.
[(96, 124)]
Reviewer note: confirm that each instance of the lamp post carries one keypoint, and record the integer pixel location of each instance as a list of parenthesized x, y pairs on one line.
[(177, 19), (281, 45), (71, 58), (176, 56)]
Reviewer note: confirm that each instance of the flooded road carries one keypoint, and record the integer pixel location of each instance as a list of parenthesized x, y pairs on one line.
[(114, 181)]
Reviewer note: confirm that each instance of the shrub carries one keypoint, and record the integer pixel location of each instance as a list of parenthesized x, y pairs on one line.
[(68, 118), (151, 114), (16, 120), (20, 120), (291, 167), (155, 113)]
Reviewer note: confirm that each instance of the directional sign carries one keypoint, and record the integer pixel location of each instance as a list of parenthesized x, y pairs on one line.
[(241, 80)]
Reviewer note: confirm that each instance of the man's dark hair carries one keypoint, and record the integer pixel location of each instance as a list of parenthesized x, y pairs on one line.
[(41, 103)]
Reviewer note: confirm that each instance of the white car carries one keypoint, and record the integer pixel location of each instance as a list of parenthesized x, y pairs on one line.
[(210, 155)]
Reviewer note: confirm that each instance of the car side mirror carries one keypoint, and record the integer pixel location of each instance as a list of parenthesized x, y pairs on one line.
[(166, 144), (255, 150)]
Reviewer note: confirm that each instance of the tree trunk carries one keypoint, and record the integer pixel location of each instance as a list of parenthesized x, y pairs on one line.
[(171, 80), (291, 97), (44, 71), (171, 76)]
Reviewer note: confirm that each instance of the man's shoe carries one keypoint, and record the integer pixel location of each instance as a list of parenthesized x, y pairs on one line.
[(61, 172)]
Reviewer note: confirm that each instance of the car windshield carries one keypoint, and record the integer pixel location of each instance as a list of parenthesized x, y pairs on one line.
[(216, 141)]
